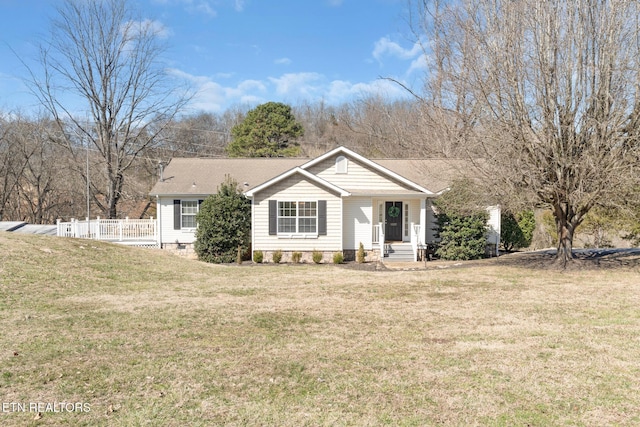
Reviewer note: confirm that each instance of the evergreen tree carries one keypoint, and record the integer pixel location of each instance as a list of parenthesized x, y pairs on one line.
[(462, 222), (463, 236), (516, 231), (269, 130), (224, 224)]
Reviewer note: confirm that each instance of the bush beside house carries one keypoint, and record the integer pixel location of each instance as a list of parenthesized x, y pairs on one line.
[(224, 225)]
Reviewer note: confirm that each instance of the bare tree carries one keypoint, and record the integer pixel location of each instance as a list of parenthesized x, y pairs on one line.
[(35, 187), (202, 134), (546, 92), (99, 54), (11, 166)]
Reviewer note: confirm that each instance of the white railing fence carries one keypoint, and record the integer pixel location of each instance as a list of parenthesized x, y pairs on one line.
[(378, 237), (120, 230), (416, 239)]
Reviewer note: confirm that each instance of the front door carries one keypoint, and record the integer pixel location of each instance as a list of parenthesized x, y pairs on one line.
[(393, 221)]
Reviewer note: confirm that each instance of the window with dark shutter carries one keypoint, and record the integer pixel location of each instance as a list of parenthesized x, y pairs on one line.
[(322, 217), (273, 217), (176, 215)]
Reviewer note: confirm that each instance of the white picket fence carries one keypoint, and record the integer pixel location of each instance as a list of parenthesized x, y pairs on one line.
[(140, 232)]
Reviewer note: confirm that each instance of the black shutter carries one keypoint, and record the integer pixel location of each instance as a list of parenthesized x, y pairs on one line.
[(322, 217), (273, 217), (176, 214)]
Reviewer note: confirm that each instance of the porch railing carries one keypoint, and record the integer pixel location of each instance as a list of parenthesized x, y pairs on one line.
[(119, 230), (378, 238), (416, 241)]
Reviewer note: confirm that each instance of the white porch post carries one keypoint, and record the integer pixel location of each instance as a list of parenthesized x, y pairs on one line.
[(159, 223), (415, 239), (423, 221), (381, 240)]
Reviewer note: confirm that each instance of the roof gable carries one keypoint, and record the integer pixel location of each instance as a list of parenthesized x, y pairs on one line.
[(389, 174), (306, 174)]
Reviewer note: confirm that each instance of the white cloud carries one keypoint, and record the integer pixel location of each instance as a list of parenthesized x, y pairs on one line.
[(418, 64), (147, 25), (343, 91), (205, 7), (282, 61), (212, 96), (192, 6), (291, 87), (300, 85), (386, 47)]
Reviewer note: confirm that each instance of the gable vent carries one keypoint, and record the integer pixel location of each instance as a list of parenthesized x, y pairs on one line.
[(342, 164)]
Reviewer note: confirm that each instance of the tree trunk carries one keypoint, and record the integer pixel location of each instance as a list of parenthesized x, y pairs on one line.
[(566, 223), (115, 188), (565, 242)]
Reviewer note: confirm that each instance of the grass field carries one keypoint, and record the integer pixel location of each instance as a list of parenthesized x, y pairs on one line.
[(140, 337)]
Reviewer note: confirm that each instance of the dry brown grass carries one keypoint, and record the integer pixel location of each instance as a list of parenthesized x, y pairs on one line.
[(149, 339)]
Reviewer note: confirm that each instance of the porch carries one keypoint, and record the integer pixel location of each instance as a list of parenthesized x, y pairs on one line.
[(134, 232), (414, 250), (402, 230)]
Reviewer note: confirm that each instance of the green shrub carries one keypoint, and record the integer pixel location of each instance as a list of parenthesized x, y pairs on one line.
[(462, 237), (258, 256), (224, 224), (462, 222), (516, 231), (317, 256), (277, 256), (338, 258), (361, 255), (296, 257)]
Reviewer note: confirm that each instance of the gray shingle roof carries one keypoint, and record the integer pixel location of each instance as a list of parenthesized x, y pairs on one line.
[(202, 176)]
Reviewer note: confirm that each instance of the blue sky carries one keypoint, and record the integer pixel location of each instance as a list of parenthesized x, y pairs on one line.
[(246, 52)]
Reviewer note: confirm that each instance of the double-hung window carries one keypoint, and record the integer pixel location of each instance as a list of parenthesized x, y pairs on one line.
[(188, 211), (297, 217)]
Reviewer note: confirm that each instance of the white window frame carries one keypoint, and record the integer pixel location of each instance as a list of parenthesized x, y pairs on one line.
[(190, 214), (300, 206)]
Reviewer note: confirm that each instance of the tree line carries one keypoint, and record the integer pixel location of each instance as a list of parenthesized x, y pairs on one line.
[(47, 166)]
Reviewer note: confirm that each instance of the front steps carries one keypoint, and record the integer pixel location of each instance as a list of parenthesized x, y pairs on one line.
[(398, 252)]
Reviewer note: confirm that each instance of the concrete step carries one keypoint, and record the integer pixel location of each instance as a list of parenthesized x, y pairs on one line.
[(398, 252)]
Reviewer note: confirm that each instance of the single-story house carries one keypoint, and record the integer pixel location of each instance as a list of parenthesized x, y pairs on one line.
[(329, 203)]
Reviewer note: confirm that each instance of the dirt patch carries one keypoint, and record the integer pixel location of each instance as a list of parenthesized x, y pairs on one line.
[(585, 259)]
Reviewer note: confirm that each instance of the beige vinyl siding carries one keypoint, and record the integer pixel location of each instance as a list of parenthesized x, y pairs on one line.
[(414, 215), (493, 224), (296, 188), (165, 218), (359, 177), (358, 219)]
